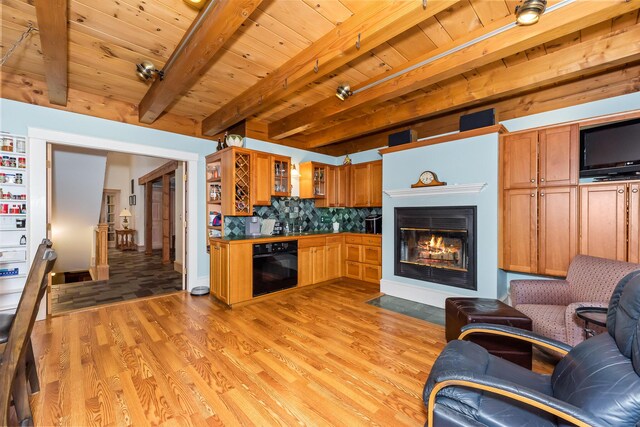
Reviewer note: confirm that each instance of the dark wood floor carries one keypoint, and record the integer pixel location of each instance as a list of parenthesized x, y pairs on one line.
[(132, 275), (318, 356)]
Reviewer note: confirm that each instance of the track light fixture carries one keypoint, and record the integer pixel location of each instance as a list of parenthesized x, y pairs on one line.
[(147, 71), (528, 11), (343, 91), (196, 4)]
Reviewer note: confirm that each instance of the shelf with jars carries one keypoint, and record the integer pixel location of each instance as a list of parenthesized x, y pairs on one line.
[(14, 206)]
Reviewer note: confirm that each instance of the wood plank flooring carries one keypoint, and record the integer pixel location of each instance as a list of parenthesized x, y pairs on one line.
[(314, 357)]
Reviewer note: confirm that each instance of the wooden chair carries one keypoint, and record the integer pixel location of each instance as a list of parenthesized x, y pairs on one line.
[(13, 360)]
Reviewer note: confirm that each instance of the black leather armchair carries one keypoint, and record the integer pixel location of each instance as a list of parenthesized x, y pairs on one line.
[(596, 383)]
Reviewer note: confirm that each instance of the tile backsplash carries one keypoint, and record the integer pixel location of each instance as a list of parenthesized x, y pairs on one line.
[(303, 212)]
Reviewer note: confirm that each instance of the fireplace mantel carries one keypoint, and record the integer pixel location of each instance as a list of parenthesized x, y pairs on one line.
[(434, 191)]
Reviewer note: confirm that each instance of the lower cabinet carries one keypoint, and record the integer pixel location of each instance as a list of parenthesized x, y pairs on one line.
[(334, 260), (312, 263), (363, 258), (231, 282)]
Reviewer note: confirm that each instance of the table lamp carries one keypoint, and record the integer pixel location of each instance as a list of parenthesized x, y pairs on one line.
[(125, 214)]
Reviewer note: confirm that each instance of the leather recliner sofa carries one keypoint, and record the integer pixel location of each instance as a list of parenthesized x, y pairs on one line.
[(596, 382)]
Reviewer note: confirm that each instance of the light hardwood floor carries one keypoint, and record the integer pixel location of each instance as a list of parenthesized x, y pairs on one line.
[(315, 357)]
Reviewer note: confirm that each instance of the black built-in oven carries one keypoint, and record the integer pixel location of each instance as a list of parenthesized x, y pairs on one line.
[(275, 267)]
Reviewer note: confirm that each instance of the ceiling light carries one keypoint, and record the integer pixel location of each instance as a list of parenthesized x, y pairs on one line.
[(529, 11), (196, 4), (147, 71), (343, 91)]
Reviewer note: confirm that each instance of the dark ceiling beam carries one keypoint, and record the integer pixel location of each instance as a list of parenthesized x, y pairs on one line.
[(211, 29), (589, 57), (553, 25), (376, 23), (52, 16)]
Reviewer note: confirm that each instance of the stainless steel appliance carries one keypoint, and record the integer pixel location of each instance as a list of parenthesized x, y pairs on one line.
[(373, 224), (275, 267), (252, 226)]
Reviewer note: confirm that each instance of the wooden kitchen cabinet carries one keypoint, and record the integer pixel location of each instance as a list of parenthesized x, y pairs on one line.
[(343, 180), (334, 260), (260, 184), (337, 187), (231, 282), (313, 180), (219, 271), (520, 160), (353, 252), (319, 264), (545, 157), (305, 267), (366, 184), (520, 242), (280, 176), (603, 216), (559, 156), (353, 270), (558, 229)]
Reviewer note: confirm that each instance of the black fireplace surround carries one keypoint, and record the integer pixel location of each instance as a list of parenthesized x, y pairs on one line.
[(437, 244)]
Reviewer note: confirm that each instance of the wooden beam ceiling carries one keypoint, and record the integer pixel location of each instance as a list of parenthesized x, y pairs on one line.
[(52, 26), (375, 24), (561, 22), (585, 89), (589, 57), (211, 29)]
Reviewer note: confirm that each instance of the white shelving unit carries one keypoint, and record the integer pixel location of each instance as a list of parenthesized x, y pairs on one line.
[(14, 210)]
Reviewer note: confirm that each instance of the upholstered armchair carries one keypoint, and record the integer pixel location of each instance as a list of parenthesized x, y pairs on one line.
[(596, 383), (551, 304)]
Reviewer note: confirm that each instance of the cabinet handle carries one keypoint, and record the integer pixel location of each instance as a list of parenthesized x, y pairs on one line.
[(541, 194), (533, 194), (533, 180), (620, 191), (634, 190), (541, 179)]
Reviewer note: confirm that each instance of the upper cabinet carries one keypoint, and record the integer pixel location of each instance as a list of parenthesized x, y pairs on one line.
[(260, 182), (357, 186), (546, 157), (366, 184), (559, 156), (313, 180), (281, 176)]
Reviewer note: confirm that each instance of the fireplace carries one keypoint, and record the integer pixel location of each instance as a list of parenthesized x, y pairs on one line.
[(437, 244)]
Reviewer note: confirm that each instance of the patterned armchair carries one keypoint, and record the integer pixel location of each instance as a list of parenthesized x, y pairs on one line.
[(551, 304)]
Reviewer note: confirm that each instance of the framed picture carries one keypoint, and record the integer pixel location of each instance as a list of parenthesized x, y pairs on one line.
[(132, 200)]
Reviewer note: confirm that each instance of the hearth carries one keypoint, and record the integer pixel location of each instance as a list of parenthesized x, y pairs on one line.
[(437, 244)]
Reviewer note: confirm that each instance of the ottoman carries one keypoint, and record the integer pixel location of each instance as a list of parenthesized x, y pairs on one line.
[(462, 311)]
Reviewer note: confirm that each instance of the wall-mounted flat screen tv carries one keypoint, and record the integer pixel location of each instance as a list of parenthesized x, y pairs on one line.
[(610, 150)]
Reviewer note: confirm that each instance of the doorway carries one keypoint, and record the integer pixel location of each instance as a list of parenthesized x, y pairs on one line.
[(129, 270)]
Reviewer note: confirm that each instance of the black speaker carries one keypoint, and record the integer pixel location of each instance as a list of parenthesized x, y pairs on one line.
[(403, 137), (478, 119)]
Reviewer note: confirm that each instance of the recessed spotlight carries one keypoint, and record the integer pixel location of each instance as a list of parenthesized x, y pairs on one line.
[(529, 11), (343, 91)]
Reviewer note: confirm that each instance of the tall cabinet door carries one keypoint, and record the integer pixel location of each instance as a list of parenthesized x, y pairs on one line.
[(261, 179), (519, 230), (558, 229), (603, 230), (360, 185), (520, 160), (559, 156), (375, 175), (634, 223)]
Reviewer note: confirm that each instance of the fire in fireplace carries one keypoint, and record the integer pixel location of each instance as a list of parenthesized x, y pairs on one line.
[(437, 244), (434, 248)]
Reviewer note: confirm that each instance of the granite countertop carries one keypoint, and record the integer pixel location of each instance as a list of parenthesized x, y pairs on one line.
[(289, 236)]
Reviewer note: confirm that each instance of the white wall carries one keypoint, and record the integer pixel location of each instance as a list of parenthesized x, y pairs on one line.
[(77, 183), (117, 178)]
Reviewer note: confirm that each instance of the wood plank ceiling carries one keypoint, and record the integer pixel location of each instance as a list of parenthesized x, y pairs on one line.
[(264, 70)]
